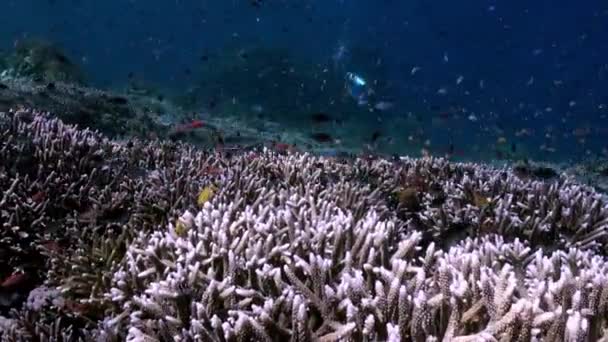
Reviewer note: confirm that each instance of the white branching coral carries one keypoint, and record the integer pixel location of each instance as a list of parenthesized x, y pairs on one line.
[(294, 259), (302, 248)]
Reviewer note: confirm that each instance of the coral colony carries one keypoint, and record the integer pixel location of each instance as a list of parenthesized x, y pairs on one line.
[(158, 241)]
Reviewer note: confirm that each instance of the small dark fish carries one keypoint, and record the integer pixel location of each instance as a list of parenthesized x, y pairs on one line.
[(375, 136), (204, 58), (544, 172), (320, 117), (3, 86), (61, 58), (445, 115), (513, 147), (435, 108), (119, 100), (51, 86), (160, 98), (130, 75), (220, 139), (451, 149), (322, 137)]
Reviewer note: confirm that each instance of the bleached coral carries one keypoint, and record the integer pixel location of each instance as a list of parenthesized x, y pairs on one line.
[(325, 266), (42, 296), (297, 247)]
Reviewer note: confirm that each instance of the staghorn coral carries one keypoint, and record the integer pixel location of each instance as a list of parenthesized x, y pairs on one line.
[(297, 247), (70, 198)]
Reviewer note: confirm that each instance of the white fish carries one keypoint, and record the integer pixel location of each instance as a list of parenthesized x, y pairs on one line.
[(472, 117), (384, 105), (442, 91), (537, 52), (572, 103), (445, 57), (530, 81), (481, 84), (415, 70), (459, 79), (256, 108)]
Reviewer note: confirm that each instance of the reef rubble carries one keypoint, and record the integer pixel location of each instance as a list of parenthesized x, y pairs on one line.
[(106, 240)]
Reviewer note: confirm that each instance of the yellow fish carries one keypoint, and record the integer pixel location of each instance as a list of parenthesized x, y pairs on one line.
[(479, 200), (205, 195), (180, 228)]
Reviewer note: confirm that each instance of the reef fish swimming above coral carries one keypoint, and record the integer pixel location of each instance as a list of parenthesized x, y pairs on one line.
[(290, 246)]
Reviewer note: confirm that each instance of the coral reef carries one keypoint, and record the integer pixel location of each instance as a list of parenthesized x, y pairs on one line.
[(140, 113), (42, 60), (114, 114), (593, 171), (289, 247)]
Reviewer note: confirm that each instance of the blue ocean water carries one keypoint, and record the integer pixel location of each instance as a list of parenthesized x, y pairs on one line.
[(473, 80)]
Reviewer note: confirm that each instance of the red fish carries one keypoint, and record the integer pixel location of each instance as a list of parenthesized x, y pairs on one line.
[(196, 124), (39, 196), (283, 147), (76, 307), (50, 246), (187, 127), (212, 170), (14, 280), (581, 132), (445, 115)]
